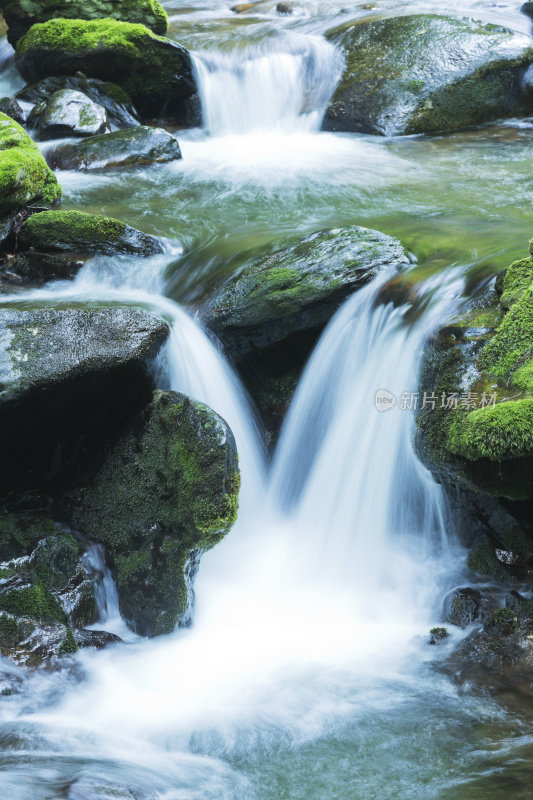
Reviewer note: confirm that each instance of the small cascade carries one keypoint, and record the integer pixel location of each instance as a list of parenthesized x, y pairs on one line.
[(285, 88), (345, 473)]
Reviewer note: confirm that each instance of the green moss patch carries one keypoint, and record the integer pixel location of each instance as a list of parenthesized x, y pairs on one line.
[(24, 174)]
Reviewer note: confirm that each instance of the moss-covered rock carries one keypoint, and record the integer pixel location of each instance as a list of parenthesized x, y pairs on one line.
[(24, 175), (121, 112), (134, 147), (68, 113), (166, 491), (68, 377), (20, 15), (427, 73), (298, 288), (76, 231), (155, 72), (48, 592)]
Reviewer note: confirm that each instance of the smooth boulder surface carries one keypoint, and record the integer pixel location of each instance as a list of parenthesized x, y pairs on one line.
[(428, 73), (76, 231), (298, 288), (120, 110), (24, 175), (68, 113), (167, 491), (133, 147), (20, 15), (155, 72), (68, 377)]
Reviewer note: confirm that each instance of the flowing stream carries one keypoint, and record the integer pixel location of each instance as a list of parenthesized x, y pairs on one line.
[(306, 673)]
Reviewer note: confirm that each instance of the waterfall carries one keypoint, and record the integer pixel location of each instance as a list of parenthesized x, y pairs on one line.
[(286, 88), (346, 473)]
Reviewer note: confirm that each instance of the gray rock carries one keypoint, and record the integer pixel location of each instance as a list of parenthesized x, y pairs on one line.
[(462, 607), (120, 110), (428, 73), (298, 288), (68, 113), (66, 377), (10, 106), (128, 148)]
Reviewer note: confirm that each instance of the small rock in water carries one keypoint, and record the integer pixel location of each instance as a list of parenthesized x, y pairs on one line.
[(462, 607), (10, 106), (69, 113), (437, 635), (290, 9)]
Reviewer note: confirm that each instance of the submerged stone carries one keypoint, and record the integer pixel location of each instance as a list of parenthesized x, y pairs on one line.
[(426, 73)]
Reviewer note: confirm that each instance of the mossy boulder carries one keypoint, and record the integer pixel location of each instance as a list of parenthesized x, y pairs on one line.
[(167, 491), (426, 73), (20, 15), (76, 231), (69, 376), (121, 112), (298, 288), (24, 174), (133, 147), (155, 72), (480, 446), (68, 113)]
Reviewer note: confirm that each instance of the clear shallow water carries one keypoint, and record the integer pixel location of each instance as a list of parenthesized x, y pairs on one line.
[(307, 673)]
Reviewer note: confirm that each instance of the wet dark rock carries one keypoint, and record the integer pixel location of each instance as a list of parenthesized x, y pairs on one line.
[(38, 268), (527, 8), (69, 376), (155, 72), (427, 73), (68, 113), (20, 15), (504, 646), (166, 491), (10, 107), (290, 10), (298, 288), (133, 147), (76, 231), (120, 110), (462, 607)]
